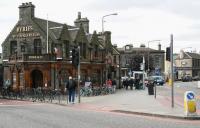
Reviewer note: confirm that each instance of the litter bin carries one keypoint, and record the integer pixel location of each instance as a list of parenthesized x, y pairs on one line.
[(151, 88)]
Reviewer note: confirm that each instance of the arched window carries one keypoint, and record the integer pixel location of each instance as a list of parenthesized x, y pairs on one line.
[(37, 46)]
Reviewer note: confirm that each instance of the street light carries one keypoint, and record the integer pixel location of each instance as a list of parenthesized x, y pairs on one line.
[(103, 20), (149, 50)]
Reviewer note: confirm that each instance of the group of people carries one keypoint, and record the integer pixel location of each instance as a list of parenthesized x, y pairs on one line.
[(137, 83), (71, 87)]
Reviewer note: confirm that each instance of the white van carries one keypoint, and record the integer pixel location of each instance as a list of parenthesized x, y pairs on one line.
[(139, 74)]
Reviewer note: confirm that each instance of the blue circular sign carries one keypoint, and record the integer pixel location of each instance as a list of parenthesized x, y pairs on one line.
[(190, 96)]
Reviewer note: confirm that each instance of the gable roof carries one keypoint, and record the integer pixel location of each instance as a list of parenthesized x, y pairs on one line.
[(53, 33), (138, 49), (194, 55), (73, 33)]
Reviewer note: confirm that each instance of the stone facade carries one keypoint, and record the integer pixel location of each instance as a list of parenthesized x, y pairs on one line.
[(131, 57), (187, 63), (32, 60)]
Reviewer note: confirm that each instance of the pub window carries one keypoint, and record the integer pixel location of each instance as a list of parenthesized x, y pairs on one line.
[(96, 51), (115, 59), (22, 48), (13, 47), (66, 45), (37, 46), (82, 50)]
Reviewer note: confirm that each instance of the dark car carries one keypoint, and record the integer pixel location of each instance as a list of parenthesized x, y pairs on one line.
[(159, 80), (196, 78), (186, 78)]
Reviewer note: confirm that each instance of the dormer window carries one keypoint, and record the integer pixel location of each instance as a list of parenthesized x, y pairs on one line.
[(13, 46), (127, 47)]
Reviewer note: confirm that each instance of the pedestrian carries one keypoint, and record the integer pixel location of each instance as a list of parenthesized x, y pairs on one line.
[(109, 86), (131, 82), (126, 83), (114, 85), (137, 82), (71, 88)]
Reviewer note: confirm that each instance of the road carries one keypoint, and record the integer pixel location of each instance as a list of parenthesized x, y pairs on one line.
[(42, 115), (179, 89)]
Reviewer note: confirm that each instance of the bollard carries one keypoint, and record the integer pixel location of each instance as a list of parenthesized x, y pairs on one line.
[(189, 103)]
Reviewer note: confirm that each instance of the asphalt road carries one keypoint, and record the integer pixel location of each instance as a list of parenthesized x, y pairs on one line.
[(179, 89), (56, 116)]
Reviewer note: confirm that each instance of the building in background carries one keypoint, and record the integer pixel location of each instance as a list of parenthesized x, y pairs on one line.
[(187, 63), (1, 71), (131, 58), (32, 60)]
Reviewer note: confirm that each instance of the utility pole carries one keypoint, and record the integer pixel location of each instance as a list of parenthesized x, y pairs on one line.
[(172, 72), (79, 97)]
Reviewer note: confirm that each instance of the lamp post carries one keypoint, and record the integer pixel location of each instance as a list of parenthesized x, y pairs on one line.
[(104, 36), (149, 51), (103, 20)]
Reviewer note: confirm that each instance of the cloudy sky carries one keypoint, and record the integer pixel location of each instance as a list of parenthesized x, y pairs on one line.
[(137, 22)]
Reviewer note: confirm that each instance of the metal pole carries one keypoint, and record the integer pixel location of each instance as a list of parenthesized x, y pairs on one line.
[(155, 85), (143, 63), (102, 25), (103, 20), (172, 72), (47, 35), (119, 71), (148, 58), (79, 97)]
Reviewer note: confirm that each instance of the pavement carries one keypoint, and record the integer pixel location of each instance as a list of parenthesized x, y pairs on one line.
[(136, 102), (140, 103)]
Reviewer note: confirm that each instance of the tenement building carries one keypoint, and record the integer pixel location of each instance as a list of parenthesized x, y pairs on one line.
[(131, 59), (36, 53), (187, 64)]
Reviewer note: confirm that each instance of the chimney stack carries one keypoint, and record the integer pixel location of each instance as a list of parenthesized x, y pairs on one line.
[(159, 47), (26, 11)]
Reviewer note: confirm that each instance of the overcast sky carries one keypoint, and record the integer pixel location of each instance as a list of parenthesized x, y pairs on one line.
[(138, 21)]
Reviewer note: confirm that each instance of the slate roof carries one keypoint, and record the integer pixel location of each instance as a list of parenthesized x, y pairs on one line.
[(144, 49), (194, 55), (56, 30), (73, 33)]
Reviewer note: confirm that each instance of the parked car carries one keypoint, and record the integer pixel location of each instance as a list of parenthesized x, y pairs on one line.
[(196, 78), (159, 80), (186, 78)]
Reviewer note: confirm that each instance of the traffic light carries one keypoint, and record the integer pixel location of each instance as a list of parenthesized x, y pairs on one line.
[(168, 53), (75, 57)]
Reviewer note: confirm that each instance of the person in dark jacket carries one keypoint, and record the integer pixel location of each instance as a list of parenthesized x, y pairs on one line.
[(131, 82), (71, 88)]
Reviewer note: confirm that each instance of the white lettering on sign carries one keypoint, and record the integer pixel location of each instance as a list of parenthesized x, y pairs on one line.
[(24, 29), (35, 57)]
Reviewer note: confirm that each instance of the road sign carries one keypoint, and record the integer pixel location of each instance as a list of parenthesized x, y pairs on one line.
[(189, 103), (190, 96)]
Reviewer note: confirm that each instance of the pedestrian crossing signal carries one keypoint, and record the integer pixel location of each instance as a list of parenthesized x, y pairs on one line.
[(75, 57), (168, 50)]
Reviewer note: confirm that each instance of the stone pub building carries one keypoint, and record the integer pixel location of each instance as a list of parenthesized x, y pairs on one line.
[(32, 60)]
